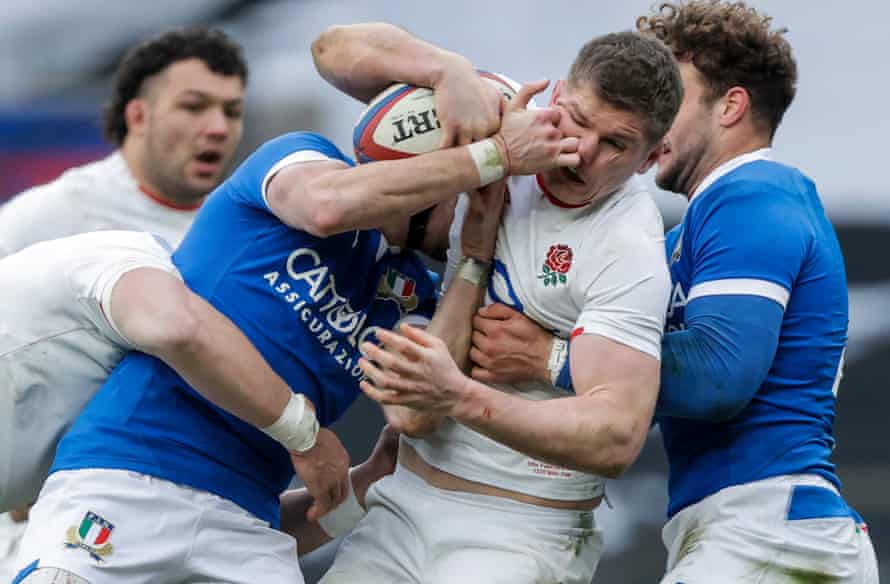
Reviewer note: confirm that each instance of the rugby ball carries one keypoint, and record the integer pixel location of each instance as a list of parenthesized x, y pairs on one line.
[(401, 121)]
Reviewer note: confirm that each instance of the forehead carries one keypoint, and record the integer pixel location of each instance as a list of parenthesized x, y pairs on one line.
[(193, 75), (604, 117)]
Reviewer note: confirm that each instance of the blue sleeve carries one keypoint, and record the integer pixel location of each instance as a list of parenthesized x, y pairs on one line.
[(746, 238), (711, 370), (251, 175)]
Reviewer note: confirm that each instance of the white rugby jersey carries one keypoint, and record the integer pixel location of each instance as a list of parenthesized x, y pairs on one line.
[(57, 344), (594, 269), (97, 196)]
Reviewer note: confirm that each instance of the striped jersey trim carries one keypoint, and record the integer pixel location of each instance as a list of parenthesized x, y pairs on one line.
[(741, 286)]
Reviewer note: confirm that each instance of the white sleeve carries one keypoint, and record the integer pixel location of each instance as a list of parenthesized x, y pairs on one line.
[(627, 300), (38, 214), (293, 158)]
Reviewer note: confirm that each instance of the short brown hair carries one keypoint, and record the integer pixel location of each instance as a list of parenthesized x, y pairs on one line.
[(731, 45), (217, 50), (634, 73)]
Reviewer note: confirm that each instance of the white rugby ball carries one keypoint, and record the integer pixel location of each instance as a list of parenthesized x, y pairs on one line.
[(401, 121)]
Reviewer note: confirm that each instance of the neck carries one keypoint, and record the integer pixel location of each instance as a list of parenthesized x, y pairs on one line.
[(724, 155)]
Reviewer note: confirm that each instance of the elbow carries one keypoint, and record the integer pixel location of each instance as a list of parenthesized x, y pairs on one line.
[(177, 331), (325, 219), (621, 447), (323, 47)]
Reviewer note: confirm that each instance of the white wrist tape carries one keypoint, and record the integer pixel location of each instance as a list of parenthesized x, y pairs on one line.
[(473, 271), (558, 353), (488, 161), (345, 516), (297, 427)]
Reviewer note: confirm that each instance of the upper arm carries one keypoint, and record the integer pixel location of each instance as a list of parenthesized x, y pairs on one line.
[(290, 195), (746, 243)]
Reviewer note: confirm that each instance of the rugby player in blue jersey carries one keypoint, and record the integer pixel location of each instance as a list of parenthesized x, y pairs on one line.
[(153, 482), (756, 328)]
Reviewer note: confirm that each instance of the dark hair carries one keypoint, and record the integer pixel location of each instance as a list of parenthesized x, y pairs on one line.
[(634, 73), (731, 45), (218, 51)]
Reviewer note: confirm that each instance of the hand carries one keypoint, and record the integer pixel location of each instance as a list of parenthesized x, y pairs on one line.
[(481, 221), (531, 140), (508, 347), (414, 369), (324, 470), (468, 107)]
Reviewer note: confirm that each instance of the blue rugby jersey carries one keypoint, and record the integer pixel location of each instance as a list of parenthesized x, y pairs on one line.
[(760, 230), (305, 302)]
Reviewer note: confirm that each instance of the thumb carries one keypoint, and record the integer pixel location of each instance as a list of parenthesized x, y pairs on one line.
[(527, 92)]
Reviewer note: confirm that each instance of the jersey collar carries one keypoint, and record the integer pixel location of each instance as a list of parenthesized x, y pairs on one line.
[(729, 166)]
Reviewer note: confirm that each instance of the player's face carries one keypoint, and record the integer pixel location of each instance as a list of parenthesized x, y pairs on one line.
[(612, 145), (193, 125), (682, 159)]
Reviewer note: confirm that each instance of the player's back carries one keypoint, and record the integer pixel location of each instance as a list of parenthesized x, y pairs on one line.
[(787, 426), (56, 347)]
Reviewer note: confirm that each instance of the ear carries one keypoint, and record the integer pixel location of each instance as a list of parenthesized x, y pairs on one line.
[(651, 159), (557, 91), (135, 115), (735, 104)]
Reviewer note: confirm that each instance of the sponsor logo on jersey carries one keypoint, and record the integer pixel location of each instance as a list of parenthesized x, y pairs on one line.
[(91, 535), (556, 265), (678, 249), (396, 285)]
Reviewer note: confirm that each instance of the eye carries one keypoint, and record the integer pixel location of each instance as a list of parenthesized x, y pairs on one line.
[(234, 112), (613, 143), (192, 107)]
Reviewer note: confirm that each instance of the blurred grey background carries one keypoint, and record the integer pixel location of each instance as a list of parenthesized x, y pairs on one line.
[(57, 56)]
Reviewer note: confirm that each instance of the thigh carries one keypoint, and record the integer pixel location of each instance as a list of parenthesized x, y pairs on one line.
[(479, 539), (235, 547), (107, 526), (384, 548)]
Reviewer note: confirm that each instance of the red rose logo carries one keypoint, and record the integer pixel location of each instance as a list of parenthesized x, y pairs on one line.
[(559, 258)]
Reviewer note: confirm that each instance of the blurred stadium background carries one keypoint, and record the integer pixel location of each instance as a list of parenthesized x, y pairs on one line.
[(57, 56)]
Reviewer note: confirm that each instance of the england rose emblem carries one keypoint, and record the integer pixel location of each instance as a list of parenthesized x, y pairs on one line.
[(556, 265)]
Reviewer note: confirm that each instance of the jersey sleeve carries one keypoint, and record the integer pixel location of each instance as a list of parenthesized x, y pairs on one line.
[(627, 299), (38, 214), (270, 158), (746, 242)]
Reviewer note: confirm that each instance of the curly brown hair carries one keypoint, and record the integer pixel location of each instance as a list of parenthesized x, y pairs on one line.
[(731, 45), (216, 49), (634, 73)]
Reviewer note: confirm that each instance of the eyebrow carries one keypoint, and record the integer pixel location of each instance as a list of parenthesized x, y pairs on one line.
[(205, 95)]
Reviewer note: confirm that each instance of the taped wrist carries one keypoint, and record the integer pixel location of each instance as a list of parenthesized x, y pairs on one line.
[(297, 427), (559, 365), (487, 157), (473, 271), (345, 516)]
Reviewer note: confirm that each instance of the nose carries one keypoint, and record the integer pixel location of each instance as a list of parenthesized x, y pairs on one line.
[(217, 123)]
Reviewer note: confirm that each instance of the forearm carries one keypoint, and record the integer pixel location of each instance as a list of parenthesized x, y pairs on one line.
[(221, 364), (369, 195), (362, 59), (591, 433)]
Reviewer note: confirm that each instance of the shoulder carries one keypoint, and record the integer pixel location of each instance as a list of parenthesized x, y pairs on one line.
[(310, 145)]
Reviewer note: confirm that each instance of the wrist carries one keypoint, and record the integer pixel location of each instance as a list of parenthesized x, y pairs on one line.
[(297, 427), (490, 158), (345, 516), (472, 270), (468, 407)]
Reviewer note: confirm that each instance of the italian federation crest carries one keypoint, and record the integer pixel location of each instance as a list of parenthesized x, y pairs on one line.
[(91, 535), (399, 287), (556, 265)]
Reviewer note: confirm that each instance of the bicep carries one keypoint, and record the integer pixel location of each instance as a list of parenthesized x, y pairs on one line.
[(288, 193), (628, 376)]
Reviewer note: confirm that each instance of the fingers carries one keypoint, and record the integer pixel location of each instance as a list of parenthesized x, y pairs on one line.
[(496, 311), (419, 336), (526, 93), (447, 137), (479, 358), (381, 396), (482, 374)]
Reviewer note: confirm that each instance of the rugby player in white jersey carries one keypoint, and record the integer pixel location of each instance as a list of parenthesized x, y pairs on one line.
[(175, 115), (499, 483)]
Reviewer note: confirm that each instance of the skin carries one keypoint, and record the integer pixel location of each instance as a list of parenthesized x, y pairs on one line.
[(182, 131)]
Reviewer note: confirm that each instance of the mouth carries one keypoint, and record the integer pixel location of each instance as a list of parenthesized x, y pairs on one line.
[(208, 162), (571, 174)]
